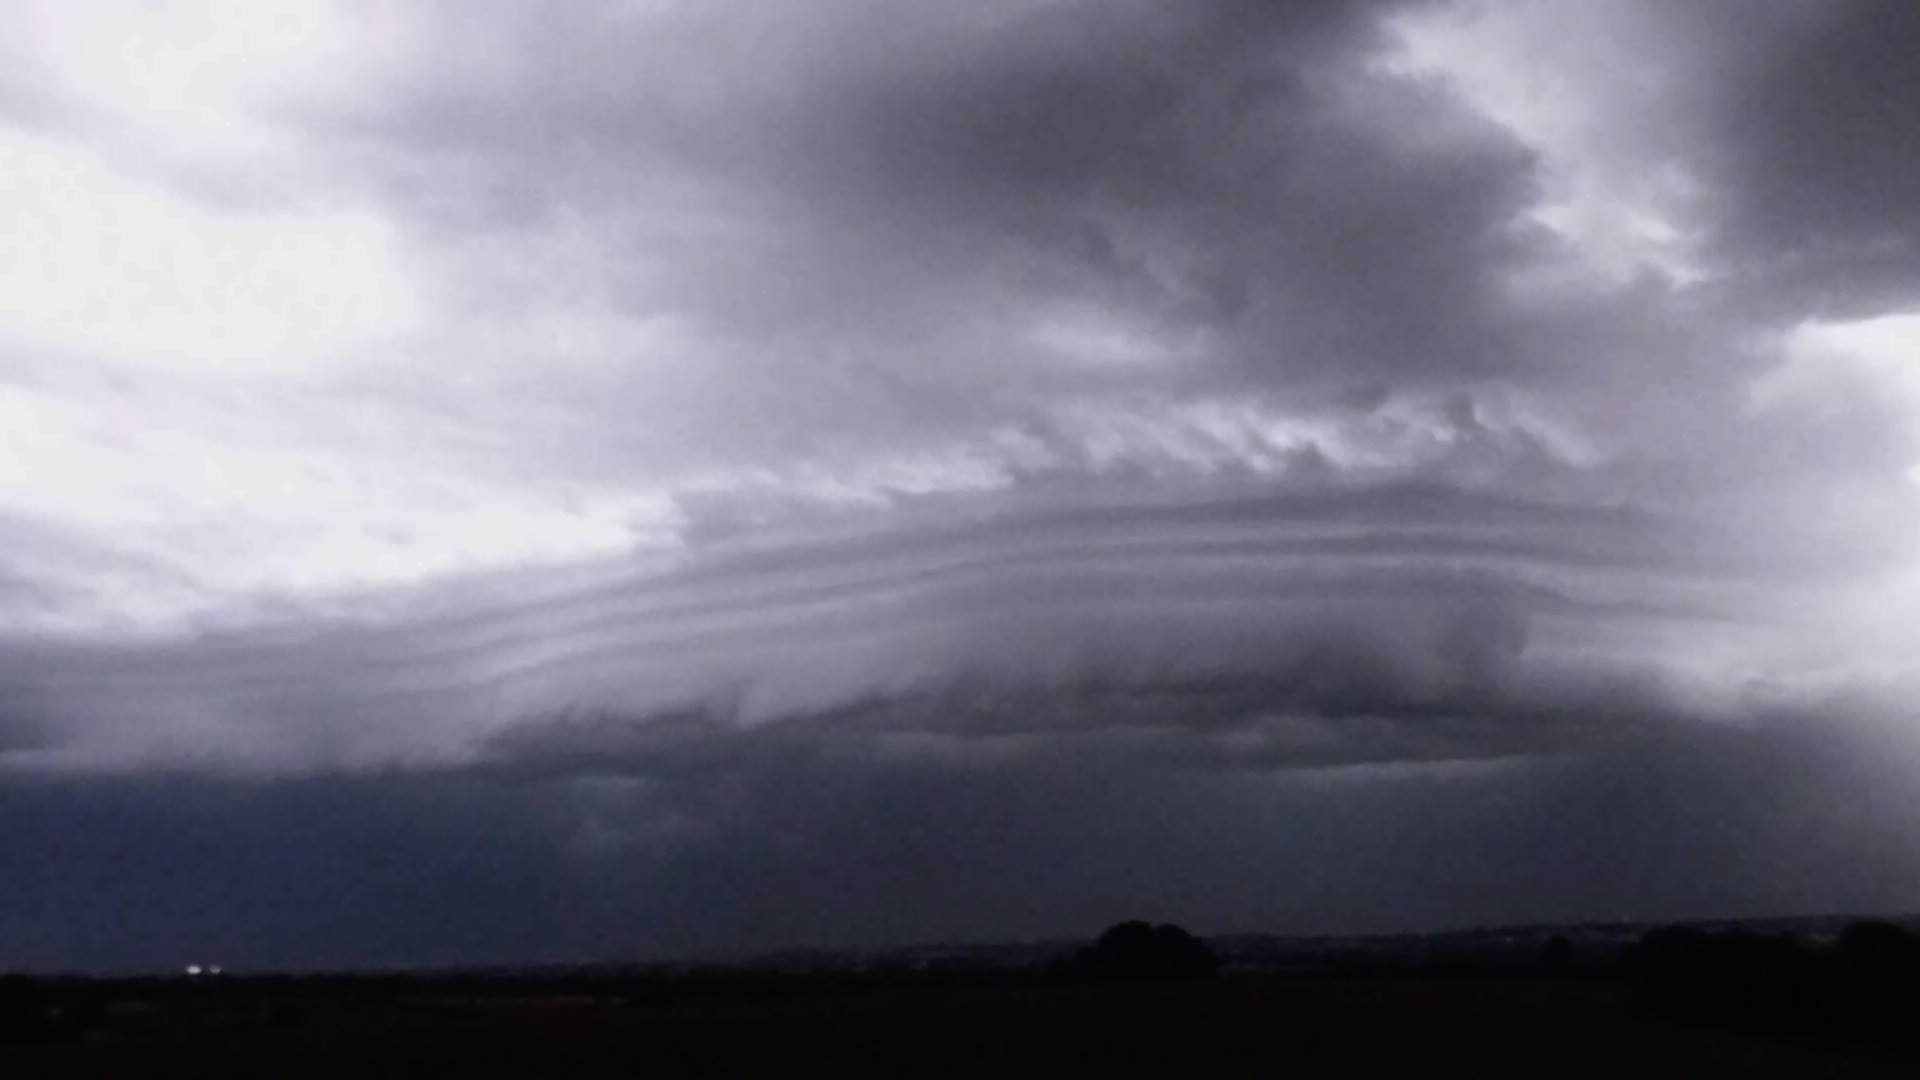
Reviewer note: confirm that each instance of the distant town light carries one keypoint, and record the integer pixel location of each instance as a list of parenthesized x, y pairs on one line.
[(193, 969)]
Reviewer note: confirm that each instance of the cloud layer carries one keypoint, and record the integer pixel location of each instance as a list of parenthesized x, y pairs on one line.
[(657, 400)]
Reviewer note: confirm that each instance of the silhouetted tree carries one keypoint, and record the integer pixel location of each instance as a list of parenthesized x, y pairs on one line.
[(1875, 952), (1859, 992), (1875, 973), (1139, 950)]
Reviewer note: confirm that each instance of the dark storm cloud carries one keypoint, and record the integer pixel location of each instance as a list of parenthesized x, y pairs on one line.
[(158, 872), (1653, 832), (894, 202), (1427, 621), (848, 848), (23, 723), (1094, 458), (1214, 169), (1816, 157), (1337, 705)]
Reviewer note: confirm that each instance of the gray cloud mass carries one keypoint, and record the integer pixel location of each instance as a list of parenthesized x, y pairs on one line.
[(504, 481)]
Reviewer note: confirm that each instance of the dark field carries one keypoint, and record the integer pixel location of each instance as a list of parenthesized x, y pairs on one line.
[(1235, 1026)]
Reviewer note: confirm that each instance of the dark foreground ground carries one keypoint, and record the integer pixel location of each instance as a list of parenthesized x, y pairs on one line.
[(1233, 1026)]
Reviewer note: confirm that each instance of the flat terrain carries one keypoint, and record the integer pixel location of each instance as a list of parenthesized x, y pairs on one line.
[(1228, 1027)]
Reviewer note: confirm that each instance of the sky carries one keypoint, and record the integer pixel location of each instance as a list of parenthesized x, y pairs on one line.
[(489, 482)]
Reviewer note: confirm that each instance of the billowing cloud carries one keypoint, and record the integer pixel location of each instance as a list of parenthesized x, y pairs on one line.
[(688, 405)]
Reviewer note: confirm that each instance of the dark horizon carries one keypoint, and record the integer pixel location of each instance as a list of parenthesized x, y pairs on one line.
[(992, 956)]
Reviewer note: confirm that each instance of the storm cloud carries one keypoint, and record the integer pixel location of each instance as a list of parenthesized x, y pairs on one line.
[(857, 471)]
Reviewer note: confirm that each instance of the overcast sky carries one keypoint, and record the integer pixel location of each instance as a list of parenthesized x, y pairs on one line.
[(494, 481)]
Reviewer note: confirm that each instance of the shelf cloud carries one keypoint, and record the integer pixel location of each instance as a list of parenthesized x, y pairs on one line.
[(729, 441)]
